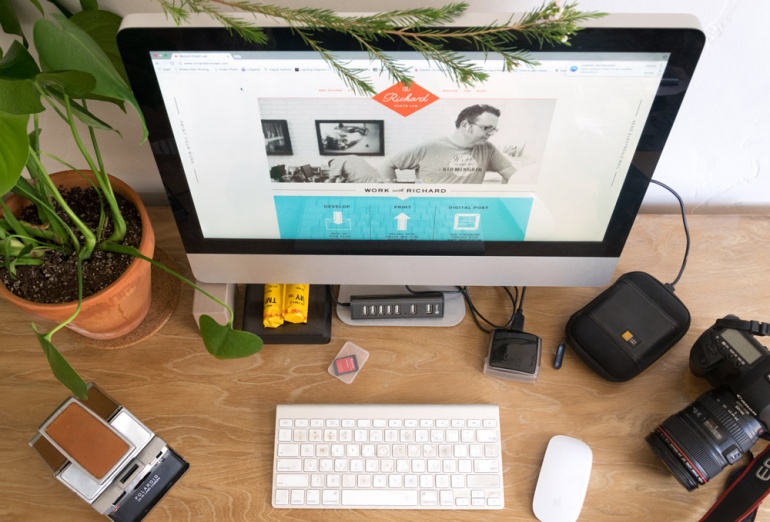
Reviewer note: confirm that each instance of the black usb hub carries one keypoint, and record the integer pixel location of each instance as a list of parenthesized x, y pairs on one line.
[(423, 306)]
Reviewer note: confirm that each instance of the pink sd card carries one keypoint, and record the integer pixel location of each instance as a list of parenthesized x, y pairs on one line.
[(345, 365)]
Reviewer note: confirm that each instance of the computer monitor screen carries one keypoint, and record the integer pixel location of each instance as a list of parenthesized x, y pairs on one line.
[(278, 171)]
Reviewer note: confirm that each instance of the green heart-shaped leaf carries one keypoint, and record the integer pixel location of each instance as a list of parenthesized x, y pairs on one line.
[(63, 46), (103, 27), (223, 342), (15, 149), (61, 368), (18, 63), (17, 89), (75, 84), (9, 20)]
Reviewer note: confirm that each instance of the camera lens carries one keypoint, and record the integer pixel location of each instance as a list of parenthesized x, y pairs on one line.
[(702, 439)]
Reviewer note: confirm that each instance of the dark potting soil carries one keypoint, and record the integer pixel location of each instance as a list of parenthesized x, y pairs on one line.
[(55, 281)]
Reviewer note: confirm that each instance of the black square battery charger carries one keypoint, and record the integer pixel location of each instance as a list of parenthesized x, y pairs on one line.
[(628, 327)]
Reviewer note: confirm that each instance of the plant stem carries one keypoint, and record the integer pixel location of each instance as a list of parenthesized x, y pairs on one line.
[(88, 237), (72, 317), (118, 223)]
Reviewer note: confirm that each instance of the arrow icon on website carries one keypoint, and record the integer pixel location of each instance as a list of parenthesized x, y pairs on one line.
[(401, 221)]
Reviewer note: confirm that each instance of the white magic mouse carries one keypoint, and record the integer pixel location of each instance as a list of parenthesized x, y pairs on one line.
[(563, 480)]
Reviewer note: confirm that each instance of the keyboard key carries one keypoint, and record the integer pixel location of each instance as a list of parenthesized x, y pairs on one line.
[(428, 498), (483, 481), (486, 435), (288, 450), (307, 450), (313, 497), (485, 466), (331, 497), (288, 465), (281, 497), (379, 497), (292, 480)]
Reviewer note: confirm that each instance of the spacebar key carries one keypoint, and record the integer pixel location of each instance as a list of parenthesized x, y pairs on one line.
[(379, 497)]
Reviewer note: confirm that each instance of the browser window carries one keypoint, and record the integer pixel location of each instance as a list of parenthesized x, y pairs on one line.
[(304, 156)]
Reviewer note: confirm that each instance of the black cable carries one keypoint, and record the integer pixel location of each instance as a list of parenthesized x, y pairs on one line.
[(334, 297), (476, 315), (521, 301), (517, 321), (686, 230)]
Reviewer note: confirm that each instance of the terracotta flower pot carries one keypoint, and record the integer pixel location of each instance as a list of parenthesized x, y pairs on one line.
[(115, 310)]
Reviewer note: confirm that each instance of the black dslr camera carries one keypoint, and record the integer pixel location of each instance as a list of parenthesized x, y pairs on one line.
[(724, 423)]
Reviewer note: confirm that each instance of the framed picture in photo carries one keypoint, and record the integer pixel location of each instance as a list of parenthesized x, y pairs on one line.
[(359, 137), (277, 140)]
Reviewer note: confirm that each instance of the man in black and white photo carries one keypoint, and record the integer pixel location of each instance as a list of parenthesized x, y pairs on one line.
[(464, 156)]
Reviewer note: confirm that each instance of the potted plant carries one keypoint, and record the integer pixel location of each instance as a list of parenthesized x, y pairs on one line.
[(78, 66), (75, 72)]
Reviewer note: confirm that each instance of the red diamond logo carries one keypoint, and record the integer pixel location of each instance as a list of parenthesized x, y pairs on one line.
[(405, 100)]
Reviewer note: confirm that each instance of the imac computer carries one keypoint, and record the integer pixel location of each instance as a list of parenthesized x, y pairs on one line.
[(279, 172)]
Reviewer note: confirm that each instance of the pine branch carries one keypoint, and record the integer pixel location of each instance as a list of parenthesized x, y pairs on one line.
[(420, 29)]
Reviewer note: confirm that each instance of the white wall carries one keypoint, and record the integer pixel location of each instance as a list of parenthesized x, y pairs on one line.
[(717, 158)]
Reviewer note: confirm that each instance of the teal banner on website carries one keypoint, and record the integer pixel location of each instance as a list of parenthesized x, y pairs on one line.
[(389, 218)]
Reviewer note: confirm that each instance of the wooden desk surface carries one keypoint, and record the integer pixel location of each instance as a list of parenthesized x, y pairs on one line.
[(219, 415)]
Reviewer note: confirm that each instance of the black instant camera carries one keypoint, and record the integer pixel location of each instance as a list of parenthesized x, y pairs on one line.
[(722, 424)]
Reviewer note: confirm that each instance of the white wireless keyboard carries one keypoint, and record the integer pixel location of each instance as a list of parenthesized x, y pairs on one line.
[(377, 456)]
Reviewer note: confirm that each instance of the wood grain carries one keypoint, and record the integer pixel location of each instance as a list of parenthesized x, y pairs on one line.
[(219, 415)]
